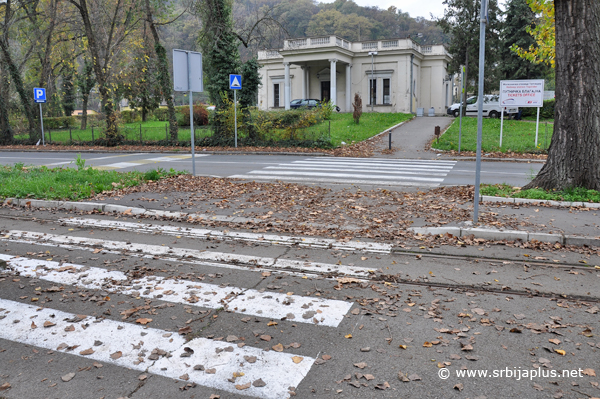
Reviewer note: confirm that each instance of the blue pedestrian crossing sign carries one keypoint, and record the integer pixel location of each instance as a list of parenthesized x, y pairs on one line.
[(235, 82), (39, 95)]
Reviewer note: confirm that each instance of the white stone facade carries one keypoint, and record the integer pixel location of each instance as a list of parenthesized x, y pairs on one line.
[(332, 68)]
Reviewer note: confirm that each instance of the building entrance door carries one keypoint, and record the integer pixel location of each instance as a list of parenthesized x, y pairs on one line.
[(325, 91)]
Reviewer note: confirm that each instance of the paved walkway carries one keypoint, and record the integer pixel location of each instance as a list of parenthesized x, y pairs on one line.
[(410, 139)]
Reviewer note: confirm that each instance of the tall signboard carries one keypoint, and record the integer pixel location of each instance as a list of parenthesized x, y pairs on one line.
[(522, 93), (187, 76), (235, 84)]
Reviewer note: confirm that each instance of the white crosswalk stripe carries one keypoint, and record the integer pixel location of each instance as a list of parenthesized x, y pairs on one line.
[(74, 334), (272, 305), (395, 172)]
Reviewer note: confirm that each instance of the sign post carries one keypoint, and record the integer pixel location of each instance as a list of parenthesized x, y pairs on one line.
[(522, 93), (235, 84), (39, 95), (187, 76), (462, 93), (483, 20)]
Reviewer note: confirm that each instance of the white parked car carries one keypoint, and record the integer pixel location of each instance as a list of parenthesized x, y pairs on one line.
[(491, 107)]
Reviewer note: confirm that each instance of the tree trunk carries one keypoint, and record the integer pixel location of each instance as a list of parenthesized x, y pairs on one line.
[(574, 153), (84, 107), (6, 132)]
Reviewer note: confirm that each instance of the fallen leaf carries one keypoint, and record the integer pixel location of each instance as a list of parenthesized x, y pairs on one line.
[(554, 341), (48, 324), (459, 387), (297, 359), (590, 372), (348, 336), (244, 386), (326, 357), (67, 377), (116, 355), (360, 365), (277, 348), (143, 321), (383, 386), (265, 337), (402, 346), (272, 323), (86, 352), (560, 352), (4, 386), (259, 383), (428, 344)]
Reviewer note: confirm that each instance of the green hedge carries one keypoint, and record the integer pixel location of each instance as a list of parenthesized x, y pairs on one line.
[(131, 116), (61, 122), (547, 111)]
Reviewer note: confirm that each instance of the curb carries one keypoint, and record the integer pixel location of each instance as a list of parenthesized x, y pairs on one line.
[(320, 154), (129, 210), (485, 198), (509, 235)]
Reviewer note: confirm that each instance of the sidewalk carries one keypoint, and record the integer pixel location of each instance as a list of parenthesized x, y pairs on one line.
[(411, 138)]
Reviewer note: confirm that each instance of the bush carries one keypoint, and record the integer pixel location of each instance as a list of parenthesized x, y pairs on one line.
[(131, 116), (161, 114), (200, 116), (547, 111), (61, 122)]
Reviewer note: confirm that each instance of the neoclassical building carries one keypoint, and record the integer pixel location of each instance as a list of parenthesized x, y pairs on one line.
[(398, 74)]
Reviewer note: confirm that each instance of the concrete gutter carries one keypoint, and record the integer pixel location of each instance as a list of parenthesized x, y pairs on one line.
[(492, 234), (567, 204)]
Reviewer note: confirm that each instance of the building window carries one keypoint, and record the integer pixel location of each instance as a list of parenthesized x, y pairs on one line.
[(276, 95), (373, 91), (387, 98)]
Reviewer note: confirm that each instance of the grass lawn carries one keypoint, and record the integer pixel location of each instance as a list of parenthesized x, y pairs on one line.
[(518, 136), (68, 183), (572, 194), (343, 128)]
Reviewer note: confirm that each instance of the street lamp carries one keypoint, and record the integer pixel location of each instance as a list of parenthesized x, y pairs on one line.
[(372, 54)]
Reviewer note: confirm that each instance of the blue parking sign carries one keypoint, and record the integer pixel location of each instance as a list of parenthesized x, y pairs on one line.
[(235, 82), (39, 95)]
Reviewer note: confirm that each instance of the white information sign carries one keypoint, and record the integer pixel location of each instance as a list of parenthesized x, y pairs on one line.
[(522, 93)]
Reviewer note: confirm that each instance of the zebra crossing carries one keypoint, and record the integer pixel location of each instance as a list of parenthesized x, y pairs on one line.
[(377, 171), (228, 365), (130, 163)]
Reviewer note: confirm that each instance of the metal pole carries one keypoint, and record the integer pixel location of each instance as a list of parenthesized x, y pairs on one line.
[(501, 125), (390, 137), (191, 115), (42, 123), (462, 92), (235, 115), (537, 126), (482, 26)]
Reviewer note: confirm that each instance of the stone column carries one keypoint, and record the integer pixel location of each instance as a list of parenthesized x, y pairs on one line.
[(304, 82), (349, 96), (333, 83), (286, 88)]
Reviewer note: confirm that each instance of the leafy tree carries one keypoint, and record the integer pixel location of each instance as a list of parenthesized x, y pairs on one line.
[(323, 23), (138, 82), (249, 93), (519, 20), (543, 51), (461, 21), (68, 91), (107, 24), (163, 76), (574, 153)]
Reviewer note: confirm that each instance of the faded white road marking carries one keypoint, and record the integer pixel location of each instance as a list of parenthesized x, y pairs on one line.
[(228, 235), (185, 253), (276, 369), (270, 305)]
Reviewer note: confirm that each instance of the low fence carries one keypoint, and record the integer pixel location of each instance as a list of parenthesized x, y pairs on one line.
[(313, 136)]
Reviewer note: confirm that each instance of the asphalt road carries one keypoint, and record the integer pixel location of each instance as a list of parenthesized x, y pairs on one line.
[(299, 168), (105, 307)]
